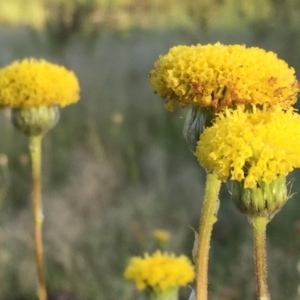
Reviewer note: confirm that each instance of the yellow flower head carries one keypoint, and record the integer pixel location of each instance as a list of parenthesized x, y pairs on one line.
[(161, 271), (220, 76), (251, 146), (34, 83), (161, 236)]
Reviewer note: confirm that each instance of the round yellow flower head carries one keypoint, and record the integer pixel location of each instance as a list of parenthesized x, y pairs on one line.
[(34, 83), (161, 236), (251, 146), (160, 272), (218, 76)]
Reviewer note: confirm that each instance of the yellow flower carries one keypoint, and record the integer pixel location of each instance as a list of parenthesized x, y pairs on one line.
[(161, 271), (34, 83), (220, 76), (251, 146), (161, 236)]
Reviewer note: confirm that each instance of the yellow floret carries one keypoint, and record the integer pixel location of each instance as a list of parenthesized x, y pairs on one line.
[(220, 76), (34, 83), (251, 146), (160, 271)]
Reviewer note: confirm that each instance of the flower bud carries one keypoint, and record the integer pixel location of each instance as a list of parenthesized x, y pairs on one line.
[(195, 121), (34, 121), (264, 200)]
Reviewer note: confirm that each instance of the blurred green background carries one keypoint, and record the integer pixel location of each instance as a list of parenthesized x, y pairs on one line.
[(116, 166)]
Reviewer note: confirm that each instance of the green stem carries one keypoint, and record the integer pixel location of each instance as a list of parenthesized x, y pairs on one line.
[(35, 153), (207, 219), (259, 231)]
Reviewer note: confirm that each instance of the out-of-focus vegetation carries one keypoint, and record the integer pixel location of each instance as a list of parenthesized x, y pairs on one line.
[(129, 14), (116, 166)]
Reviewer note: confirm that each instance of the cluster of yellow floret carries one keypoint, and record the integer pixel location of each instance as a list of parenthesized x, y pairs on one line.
[(251, 145), (220, 76), (34, 83), (160, 271)]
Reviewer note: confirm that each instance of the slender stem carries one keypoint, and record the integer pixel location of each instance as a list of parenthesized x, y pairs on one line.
[(208, 218), (35, 153), (259, 231)]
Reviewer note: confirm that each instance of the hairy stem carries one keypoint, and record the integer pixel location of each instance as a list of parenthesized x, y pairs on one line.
[(259, 231), (207, 219)]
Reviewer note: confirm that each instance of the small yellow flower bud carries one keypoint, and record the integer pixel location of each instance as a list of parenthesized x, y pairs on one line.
[(161, 238)]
